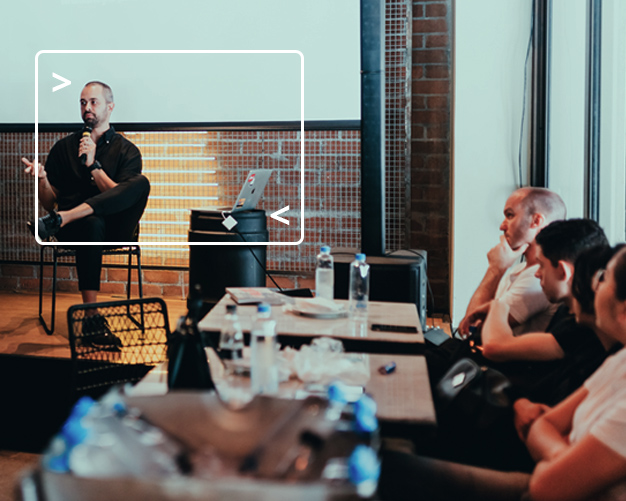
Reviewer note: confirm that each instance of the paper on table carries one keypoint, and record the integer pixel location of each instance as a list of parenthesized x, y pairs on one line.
[(319, 308)]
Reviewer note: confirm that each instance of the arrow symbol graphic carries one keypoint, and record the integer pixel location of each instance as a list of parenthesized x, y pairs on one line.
[(65, 83), (281, 219)]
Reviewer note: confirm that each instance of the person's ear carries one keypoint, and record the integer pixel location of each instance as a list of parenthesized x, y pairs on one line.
[(537, 220), (565, 270), (111, 106)]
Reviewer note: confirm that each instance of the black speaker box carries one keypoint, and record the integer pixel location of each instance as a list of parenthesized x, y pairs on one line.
[(398, 277), (216, 267)]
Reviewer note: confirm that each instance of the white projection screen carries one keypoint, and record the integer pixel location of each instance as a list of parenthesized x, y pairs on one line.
[(203, 72)]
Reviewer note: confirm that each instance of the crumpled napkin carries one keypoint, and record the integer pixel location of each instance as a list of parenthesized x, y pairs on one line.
[(324, 361)]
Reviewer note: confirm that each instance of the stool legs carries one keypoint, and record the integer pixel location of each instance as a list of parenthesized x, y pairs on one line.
[(49, 328)]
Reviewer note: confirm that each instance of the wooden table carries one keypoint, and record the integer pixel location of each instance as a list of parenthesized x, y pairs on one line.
[(294, 329), (403, 397)]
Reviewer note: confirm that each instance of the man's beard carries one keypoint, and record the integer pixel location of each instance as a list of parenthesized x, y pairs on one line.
[(92, 121)]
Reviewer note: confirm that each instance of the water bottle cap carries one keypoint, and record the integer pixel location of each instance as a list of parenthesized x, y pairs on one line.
[(365, 414), (325, 249), (82, 407), (360, 257), (365, 422), (337, 392), (363, 465), (263, 308), (59, 463), (231, 308), (74, 432), (365, 404)]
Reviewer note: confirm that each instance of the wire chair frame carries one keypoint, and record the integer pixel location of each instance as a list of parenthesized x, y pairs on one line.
[(141, 325)]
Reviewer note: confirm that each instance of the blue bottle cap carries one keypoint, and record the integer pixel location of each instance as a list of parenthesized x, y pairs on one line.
[(366, 404), (73, 432), (325, 249), (365, 415), (360, 257), (365, 422), (82, 407), (263, 308), (363, 465), (337, 392), (59, 463)]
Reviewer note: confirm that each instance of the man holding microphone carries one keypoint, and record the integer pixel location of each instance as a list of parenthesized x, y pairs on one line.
[(92, 187)]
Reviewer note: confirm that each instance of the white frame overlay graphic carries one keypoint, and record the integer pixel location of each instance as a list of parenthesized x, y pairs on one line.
[(124, 244)]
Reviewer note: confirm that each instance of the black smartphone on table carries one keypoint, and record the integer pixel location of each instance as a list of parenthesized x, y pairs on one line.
[(404, 329)]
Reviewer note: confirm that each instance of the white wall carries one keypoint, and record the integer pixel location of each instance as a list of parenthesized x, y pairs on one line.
[(488, 81), (178, 87), (567, 103), (613, 121), (490, 52)]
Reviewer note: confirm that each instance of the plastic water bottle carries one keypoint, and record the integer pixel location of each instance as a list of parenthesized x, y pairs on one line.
[(361, 468), (231, 338), (105, 439), (264, 352), (324, 274), (359, 287), (116, 442), (364, 470)]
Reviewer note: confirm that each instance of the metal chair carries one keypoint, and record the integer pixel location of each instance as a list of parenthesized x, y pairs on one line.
[(58, 252), (142, 326)]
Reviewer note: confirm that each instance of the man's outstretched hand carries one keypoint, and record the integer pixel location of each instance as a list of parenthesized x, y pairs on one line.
[(31, 169)]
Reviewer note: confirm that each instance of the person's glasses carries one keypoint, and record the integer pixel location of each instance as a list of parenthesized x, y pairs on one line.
[(598, 278)]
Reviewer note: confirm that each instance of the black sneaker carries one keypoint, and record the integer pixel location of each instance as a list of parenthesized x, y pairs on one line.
[(48, 225), (97, 333)]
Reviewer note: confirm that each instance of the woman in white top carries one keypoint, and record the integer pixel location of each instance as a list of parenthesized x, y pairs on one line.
[(579, 445)]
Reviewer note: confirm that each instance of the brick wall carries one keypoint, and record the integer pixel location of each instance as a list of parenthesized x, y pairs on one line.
[(331, 195), (332, 173), (430, 141)]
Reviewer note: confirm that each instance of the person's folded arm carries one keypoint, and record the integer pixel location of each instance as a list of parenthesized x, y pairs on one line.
[(548, 434), (102, 180), (500, 345), (525, 413), (578, 472)]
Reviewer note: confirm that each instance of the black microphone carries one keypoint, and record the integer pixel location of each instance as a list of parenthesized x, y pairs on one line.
[(86, 133)]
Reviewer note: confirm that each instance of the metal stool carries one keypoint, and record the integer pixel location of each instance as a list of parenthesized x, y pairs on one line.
[(140, 326), (57, 252)]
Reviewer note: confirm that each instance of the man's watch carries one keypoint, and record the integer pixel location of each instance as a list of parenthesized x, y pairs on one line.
[(95, 165)]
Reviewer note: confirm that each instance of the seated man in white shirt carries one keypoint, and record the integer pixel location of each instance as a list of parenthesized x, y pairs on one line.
[(526, 212)]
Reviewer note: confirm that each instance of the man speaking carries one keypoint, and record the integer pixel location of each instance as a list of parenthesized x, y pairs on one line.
[(92, 187)]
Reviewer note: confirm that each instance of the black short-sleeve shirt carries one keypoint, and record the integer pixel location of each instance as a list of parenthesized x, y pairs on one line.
[(550, 382), (120, 159)]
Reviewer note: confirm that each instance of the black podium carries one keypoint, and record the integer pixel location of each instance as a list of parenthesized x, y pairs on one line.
[(215, 264)]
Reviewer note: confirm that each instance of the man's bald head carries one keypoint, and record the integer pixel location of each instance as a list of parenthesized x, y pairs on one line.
[(107, 92), (542, 201)]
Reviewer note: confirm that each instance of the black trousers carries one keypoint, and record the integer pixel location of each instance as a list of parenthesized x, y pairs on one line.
[(410, 477), (116, 214)]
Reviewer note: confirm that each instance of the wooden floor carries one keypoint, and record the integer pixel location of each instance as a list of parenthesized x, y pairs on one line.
[(22, 334)]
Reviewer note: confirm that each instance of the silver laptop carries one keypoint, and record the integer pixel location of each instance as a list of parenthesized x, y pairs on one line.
[(252, 190)]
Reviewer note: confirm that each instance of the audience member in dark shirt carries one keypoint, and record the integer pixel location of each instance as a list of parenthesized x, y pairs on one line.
[(543, 367), (579, 446)]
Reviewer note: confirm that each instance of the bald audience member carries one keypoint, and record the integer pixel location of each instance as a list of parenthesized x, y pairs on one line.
[(526, 212)]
